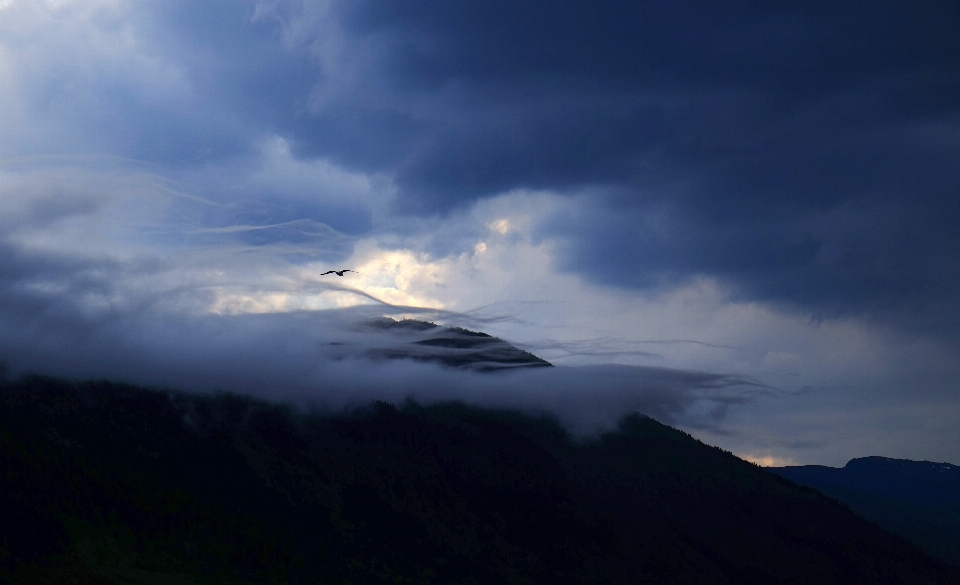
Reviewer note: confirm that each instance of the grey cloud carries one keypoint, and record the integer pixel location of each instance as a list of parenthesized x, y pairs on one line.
[(176, 83), (608, 348), (883, 260), (800, 150), (324, 359)]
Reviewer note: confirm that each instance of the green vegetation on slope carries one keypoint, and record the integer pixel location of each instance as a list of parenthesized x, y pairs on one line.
[(104, 483)]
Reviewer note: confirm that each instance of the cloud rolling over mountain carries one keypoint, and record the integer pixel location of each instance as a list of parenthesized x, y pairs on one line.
[(766, 192)]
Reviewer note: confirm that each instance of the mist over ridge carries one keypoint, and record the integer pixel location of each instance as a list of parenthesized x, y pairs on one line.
[(337, 358)]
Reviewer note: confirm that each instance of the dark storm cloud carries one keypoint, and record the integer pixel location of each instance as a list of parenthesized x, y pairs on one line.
[(801, 151), (567, 93)]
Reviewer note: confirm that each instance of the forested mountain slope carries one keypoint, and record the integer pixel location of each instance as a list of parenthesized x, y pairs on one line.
[(105, 483)]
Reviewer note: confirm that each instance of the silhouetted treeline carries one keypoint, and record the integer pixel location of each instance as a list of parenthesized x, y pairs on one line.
[(106, 483)]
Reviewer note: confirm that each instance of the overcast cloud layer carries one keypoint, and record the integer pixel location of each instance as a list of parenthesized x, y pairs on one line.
[(768, 192)]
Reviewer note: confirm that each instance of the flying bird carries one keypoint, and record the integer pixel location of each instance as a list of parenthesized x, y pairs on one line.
[(339, 272)]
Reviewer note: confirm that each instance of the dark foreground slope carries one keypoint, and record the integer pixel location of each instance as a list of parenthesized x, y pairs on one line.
[(103, 483), (918, 499)]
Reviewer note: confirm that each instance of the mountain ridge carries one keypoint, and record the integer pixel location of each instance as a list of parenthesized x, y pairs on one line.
[(917, 499), (110, 483), (450, 346)]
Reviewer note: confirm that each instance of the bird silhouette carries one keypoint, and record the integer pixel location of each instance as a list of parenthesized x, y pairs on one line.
[(339, 272)]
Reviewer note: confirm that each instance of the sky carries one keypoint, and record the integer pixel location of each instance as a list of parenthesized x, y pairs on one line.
[(740, 218)]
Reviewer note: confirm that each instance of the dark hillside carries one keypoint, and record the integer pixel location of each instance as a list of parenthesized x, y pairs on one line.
[(104, 483), (918, 499)]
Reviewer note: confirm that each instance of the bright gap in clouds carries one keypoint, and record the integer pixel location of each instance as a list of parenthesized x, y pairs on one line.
[(120, 256)]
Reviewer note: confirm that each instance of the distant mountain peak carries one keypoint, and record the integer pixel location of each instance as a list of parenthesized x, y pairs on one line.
[(450, 346), (918, 499), (888, 464)]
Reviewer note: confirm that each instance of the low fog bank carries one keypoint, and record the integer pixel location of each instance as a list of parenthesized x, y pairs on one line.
[(328, 360)]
